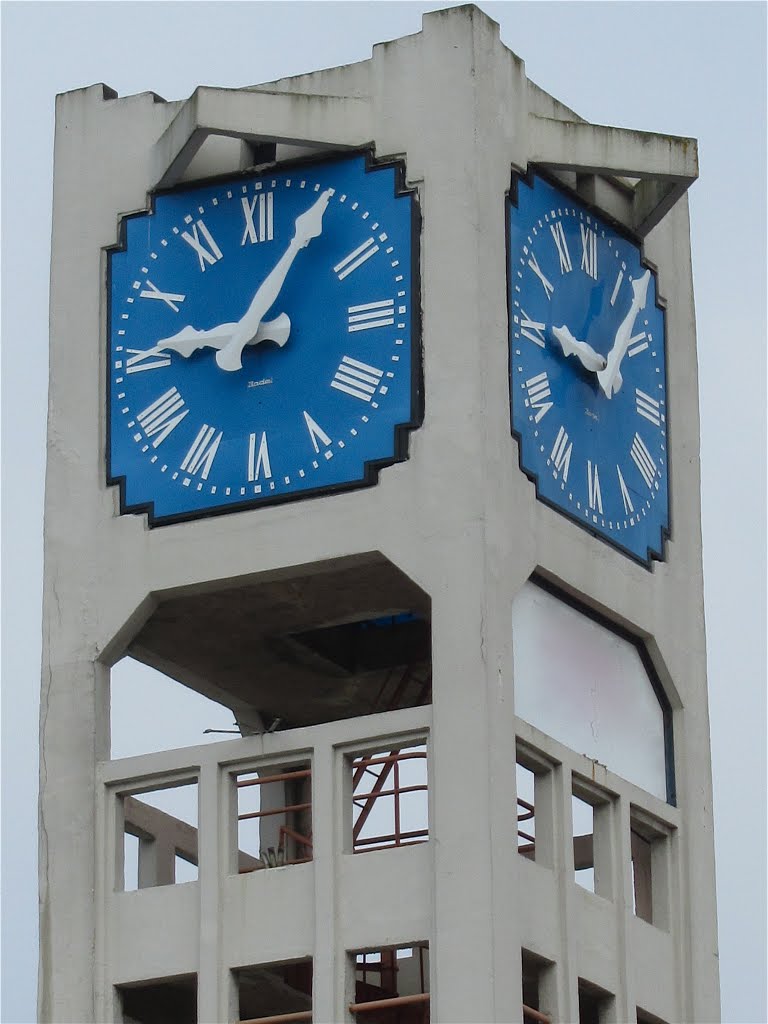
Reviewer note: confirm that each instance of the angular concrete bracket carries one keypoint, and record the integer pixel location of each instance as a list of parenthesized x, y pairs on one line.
[(328, 122), (664, 166)]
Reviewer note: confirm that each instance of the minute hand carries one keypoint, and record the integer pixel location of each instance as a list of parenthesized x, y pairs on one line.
[(610, 379), (308, 226)]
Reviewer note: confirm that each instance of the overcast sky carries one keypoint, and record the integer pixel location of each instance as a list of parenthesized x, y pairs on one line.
[(694, 69)]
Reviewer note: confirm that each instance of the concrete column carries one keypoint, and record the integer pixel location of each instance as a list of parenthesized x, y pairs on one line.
[(625, 1003), (328, 967), (566, 973), (213, 841), (79, 574)]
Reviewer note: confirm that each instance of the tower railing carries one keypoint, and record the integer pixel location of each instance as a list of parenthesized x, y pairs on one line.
[(631, 849)]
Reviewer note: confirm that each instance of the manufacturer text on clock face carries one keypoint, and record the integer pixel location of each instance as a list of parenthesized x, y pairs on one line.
[(261, 339), (587, 369)]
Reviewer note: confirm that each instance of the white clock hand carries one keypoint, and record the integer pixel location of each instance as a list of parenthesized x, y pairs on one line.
[(584, 352), (610, 379), (189, 339), (308, 226)]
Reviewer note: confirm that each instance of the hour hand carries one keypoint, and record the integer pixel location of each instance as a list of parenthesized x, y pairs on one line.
[(189, 340), (584, 352)]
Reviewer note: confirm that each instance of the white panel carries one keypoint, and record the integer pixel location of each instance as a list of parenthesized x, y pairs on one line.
[(154, 932), (585, 686), (268, 915), (385, 896)]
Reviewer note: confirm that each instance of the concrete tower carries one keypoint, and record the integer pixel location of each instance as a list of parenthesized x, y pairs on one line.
[(472, 775)]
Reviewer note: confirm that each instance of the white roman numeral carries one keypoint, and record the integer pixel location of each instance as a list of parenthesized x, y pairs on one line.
[(648, 407), (371, 314), (169, 298), (203, 254), (562, 248), (531, 329), (619, 279), (356, 258), (629, 508), (357, 379), (637, 344), (202, 452), (316, 433), (561, 454), (642, 459), (258, 228), (593, 485), (589, 252), (258, 462), (162, 416), (538, 389), (534, 265), (143, 359)]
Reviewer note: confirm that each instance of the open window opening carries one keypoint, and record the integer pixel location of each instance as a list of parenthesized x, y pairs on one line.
[(299, 647), (160, 838), (649, 846), (591, 811), (165, 1001), (583, 843), (538, 991), (596, 1006), (392, 985), (390, 803), (274, 993), (535, 796), (274, 817), (526, 811)]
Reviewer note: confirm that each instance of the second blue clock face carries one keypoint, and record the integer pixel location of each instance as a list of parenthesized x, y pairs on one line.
[(263, 339), (587, 368)]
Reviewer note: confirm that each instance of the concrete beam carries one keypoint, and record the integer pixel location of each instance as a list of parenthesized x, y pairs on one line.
[(652, 200), (597, 149), (665, 165), (327, 122)]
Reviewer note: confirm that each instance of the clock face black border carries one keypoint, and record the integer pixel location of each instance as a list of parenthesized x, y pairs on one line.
[(511, 200), (402, 430)]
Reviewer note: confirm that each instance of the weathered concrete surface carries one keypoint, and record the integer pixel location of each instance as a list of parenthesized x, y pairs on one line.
[(321, 122), (458, 519), (250, 646)]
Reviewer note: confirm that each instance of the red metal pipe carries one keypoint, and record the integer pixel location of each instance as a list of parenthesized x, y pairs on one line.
[(386, 1004), (382, 839), (537, 1015), (391, 792), (280, 1018), (414, 755), (277, 810), (300, 839)]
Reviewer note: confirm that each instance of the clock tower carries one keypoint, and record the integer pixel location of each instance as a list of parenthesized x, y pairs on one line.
[(374, 420)]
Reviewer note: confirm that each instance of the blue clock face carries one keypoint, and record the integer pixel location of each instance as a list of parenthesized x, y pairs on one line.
[(587, 368), (263, 339)]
